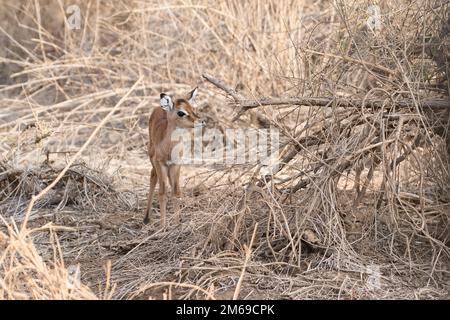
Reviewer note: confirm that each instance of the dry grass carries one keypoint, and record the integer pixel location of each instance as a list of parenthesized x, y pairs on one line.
[(361, 189)]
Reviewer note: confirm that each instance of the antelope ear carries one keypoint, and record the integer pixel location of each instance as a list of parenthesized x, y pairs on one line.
[(166, 102), (192, 95)]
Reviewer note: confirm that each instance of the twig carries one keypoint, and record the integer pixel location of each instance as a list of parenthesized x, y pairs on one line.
[(323, 101), (365, 63), (248, 252), (221, 85)]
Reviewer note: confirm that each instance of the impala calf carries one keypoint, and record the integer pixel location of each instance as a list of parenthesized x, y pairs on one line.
[(173, 114)]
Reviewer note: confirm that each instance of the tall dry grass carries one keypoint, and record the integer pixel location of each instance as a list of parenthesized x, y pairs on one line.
[(359, 186)]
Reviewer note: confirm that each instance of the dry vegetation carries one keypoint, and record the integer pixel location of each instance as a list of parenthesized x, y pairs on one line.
[(364, 180)]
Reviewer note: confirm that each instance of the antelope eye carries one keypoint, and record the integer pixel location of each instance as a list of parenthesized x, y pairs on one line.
[(181, 114)]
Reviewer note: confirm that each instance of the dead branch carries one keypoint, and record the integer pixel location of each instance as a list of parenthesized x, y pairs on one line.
[(322, 101)]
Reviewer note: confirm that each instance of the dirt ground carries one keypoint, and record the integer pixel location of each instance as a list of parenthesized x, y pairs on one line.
[(146, 262)]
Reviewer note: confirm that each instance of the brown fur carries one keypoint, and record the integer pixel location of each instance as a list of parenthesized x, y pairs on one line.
[(161, 126)]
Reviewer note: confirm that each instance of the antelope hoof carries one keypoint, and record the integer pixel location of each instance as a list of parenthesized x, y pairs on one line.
[(146, 220)]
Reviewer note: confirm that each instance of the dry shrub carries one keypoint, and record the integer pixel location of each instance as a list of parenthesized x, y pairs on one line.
[(361, 187), (25, 273), (80, 187)]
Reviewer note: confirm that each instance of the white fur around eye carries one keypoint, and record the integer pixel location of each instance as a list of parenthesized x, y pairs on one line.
[(185, 114)]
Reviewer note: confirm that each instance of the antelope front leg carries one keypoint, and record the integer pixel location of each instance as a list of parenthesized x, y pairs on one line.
[(174, 179), (153, 180), (162, 177)]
